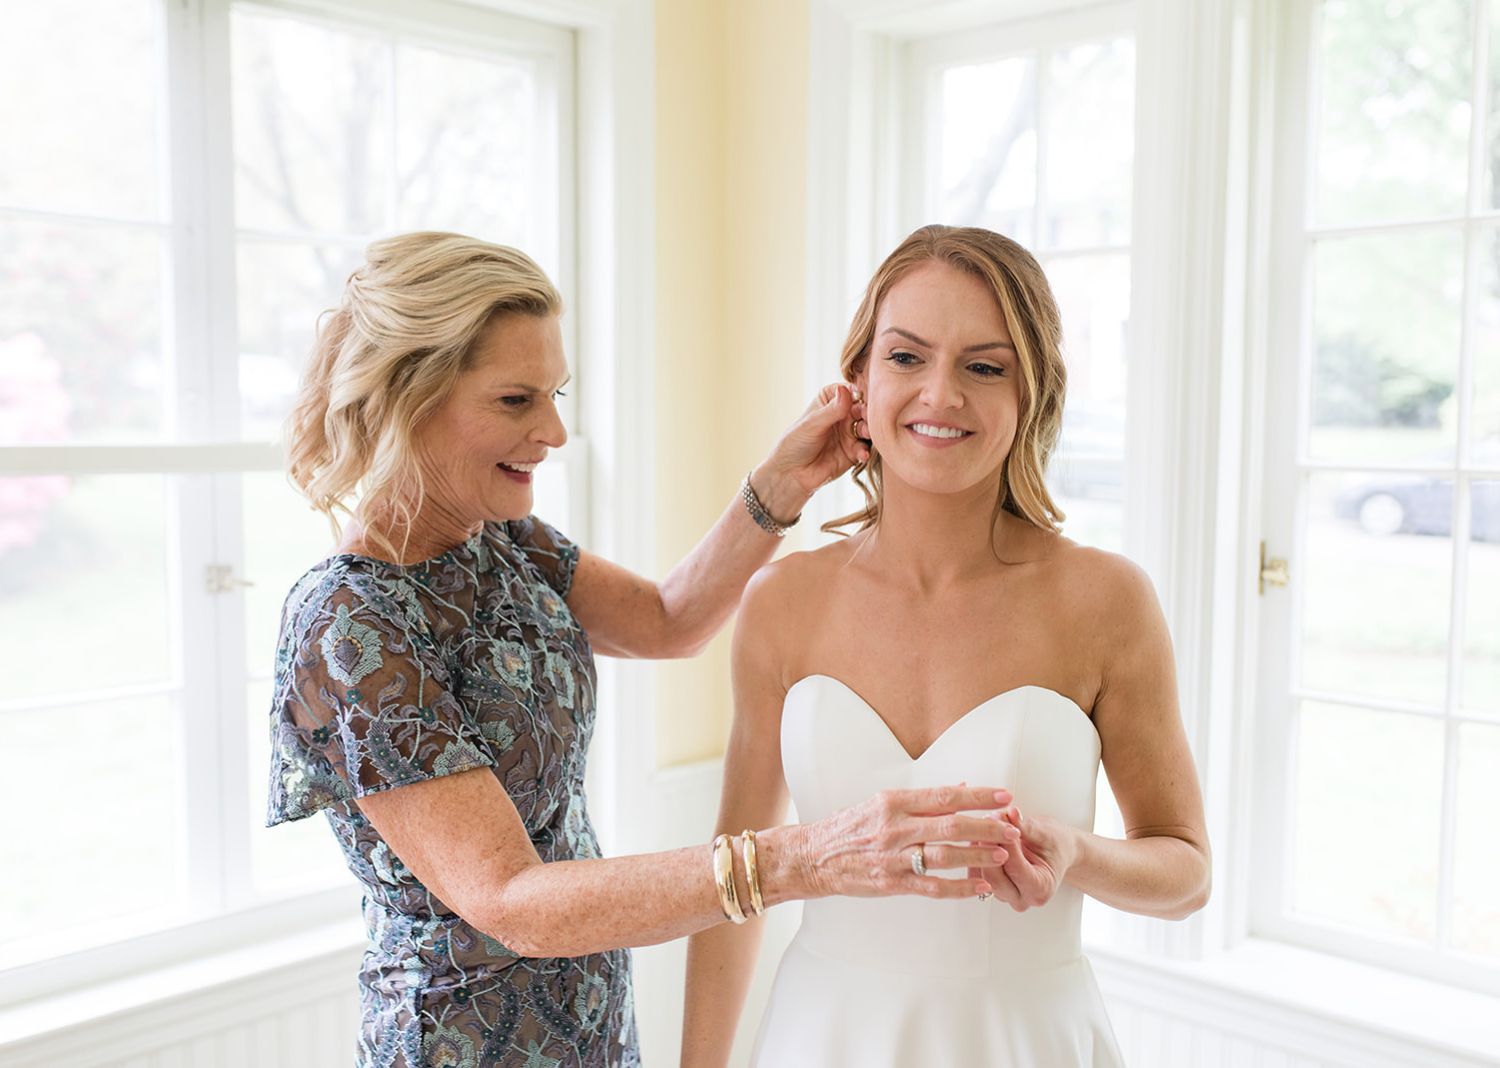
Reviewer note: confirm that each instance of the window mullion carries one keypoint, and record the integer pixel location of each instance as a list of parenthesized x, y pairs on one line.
[(205, 406)]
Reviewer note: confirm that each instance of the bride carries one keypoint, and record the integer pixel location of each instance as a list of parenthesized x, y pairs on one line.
[(957, 635)]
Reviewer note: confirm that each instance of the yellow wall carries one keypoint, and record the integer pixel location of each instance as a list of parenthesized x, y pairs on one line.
[(731, 208)]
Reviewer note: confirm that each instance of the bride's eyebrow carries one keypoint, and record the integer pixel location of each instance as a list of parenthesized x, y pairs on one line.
[(982, 347)]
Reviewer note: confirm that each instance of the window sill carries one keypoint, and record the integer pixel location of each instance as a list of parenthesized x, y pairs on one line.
[(1261, 984), (274, 963)]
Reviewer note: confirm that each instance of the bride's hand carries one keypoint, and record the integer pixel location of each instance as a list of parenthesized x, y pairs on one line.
[(1039, 857), (867, 850)]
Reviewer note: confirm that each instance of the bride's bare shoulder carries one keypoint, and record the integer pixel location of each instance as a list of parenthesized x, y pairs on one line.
[(1100, 582), (796, 580)]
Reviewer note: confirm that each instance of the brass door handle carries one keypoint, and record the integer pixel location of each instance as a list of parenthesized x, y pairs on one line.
[(1273, 571)]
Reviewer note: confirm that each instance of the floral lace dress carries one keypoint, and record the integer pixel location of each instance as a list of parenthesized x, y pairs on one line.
[(388, 675)]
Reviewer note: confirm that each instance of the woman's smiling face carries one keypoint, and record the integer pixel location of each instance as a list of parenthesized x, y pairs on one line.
[(478, 451), (941, 383)]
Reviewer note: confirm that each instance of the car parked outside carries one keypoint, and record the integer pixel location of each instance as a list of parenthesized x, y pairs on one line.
[(1423, 504)]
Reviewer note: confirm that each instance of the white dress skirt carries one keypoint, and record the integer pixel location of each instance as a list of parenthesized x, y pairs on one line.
[(907, 982)]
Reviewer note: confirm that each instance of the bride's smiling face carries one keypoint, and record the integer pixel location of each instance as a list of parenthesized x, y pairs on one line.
[(941, 383)]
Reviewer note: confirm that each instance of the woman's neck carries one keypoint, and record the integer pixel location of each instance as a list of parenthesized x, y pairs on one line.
[(390, 539)]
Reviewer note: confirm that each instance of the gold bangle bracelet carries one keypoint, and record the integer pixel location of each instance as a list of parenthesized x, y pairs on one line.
[(724, 879), (752, 873)]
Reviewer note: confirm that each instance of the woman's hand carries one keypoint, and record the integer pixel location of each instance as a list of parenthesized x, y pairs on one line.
[(867, 850), (1040, 853), (815, 450)]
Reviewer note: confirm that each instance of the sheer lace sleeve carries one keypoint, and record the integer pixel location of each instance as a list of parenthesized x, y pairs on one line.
[(364, 701)]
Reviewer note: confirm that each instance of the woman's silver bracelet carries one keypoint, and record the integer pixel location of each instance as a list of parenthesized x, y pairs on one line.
[(760, 515)]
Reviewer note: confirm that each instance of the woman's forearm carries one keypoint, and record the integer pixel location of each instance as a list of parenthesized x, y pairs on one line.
[(570, 908), (702, 591), (630, 616)]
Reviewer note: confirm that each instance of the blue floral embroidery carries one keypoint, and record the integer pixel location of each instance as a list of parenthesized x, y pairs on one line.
[(446, 1047), (389, 675), (458, 756), (512, 664), (351, 650), (535, 1059)]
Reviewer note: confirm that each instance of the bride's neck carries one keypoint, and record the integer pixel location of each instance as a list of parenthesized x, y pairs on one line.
[(939, 538)]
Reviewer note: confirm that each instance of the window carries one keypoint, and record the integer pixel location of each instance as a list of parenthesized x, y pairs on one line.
[(1380, 680), (1027, 129), (188, 189)]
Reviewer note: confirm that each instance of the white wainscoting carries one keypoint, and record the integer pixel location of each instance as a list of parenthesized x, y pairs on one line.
[(299, 1015)]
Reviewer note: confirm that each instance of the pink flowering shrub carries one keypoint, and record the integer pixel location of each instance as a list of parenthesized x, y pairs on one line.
[(34, 409)]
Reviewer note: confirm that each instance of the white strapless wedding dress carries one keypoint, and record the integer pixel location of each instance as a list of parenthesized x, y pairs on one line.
[(906, 982)]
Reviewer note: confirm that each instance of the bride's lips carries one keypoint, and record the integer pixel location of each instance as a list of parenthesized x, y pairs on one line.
[(937, 435), (518, 472)]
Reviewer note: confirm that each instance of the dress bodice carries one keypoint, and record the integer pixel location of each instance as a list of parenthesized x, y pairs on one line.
[(908, 982), (837, 751)]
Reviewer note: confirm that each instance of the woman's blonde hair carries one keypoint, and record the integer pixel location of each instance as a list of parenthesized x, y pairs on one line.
[(1020, 288), (387, 357)]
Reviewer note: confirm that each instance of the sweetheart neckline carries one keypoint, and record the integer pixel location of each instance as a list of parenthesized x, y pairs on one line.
[(948, 729)]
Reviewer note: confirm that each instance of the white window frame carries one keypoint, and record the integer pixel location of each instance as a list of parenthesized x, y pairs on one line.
[(1295, 232), (607, 234)]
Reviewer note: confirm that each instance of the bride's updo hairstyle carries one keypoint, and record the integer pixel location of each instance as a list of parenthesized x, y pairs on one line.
[(388, 356), (1031, 315)]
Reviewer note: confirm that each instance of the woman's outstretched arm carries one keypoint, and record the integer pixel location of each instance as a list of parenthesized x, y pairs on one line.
[(461, 836), (628, 615)]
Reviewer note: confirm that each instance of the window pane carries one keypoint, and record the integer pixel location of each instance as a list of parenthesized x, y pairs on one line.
[(988, 155), (1482, 616), (1393, 129), (1476, 872), (1492, 165), (467, 146), (82, 88), (283, 289), (283, 538), (1369, 796), (1386, 317), (1090, 138), (311, 129), (109, 844), (1375, 607), (83, 584), (1087, 473), (80, 333)]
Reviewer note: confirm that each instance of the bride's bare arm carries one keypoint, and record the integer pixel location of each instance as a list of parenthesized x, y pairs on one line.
[(721, 961), (1162, 867)]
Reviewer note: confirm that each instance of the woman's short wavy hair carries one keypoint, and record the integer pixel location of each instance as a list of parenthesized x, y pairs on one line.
[(1020, 288), (388, 356)]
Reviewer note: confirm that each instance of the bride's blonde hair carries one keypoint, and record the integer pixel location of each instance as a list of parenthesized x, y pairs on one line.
[(387, 357), (1020, 288)]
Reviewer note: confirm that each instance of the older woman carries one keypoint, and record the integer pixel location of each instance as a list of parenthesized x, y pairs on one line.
[(435, 680), (994, 649)]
